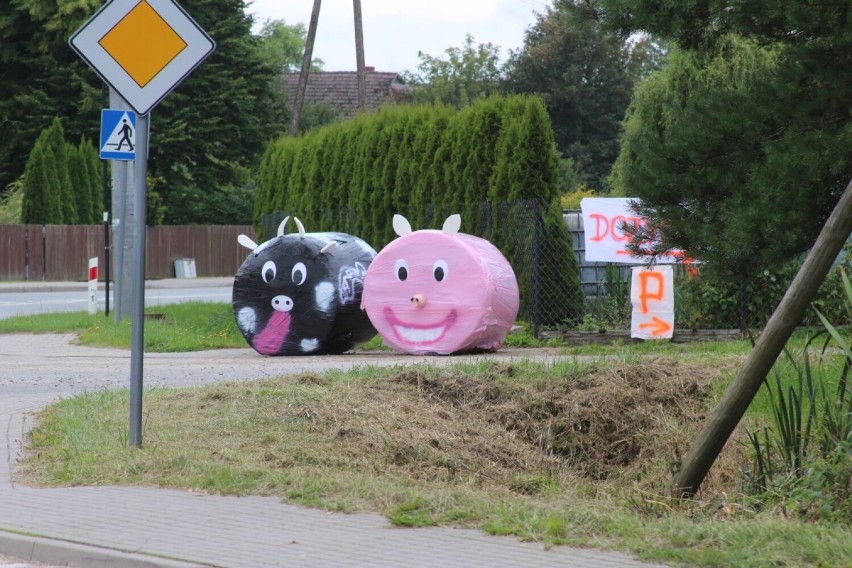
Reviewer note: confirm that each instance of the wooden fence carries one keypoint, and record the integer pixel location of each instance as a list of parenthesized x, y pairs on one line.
[(62, 252)]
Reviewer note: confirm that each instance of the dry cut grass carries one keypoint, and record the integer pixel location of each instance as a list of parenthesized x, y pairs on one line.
[(523, 428)]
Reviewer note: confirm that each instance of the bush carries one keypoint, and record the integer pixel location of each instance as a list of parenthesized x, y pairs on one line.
[(570, 201), (10, 203), (706, 301)]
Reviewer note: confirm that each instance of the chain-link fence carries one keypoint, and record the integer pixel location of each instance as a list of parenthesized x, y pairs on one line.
[(561, 291)]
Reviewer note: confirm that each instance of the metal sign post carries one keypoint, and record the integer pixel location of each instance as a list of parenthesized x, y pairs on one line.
[(137, 322), (142, 50)]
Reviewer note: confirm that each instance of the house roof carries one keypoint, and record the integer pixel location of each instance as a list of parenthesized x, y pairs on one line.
[(340, 89)]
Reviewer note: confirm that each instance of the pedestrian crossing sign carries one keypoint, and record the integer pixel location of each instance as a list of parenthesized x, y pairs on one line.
[(118, 134)]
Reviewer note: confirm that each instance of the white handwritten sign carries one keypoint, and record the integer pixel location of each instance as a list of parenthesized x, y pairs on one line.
[(604, 223), (652, 297)]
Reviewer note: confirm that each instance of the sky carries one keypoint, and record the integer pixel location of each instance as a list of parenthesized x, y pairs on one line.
[(395, 30)]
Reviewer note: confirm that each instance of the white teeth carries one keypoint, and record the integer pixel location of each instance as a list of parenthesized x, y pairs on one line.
[(419, 335)]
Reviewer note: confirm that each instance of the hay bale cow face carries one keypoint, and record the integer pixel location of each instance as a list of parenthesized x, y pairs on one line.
[(440, 291), (300, 294)]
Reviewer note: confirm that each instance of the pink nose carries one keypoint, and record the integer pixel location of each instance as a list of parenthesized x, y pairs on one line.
[(418, 301)]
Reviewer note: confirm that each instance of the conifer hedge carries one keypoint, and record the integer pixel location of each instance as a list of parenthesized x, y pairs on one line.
[(426, 162), (61, 182)]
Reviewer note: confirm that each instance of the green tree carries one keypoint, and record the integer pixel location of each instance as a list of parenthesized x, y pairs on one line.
[(42, 78), (409, 160), (585, 75), (41, 203), (94, 170), (206, 135), (463, 76), (429, 177), (739, 148), (282, 46), (55, 139), (694, 26), (78, 172), (218, 120)]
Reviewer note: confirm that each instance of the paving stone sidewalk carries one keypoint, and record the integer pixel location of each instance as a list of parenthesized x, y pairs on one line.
[(146, 527)]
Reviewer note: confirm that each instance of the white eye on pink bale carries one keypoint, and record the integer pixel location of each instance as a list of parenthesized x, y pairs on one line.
[(440, 270), (400, 269)]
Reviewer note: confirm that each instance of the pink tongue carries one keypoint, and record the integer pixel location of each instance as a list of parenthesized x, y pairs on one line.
[(269, 341)]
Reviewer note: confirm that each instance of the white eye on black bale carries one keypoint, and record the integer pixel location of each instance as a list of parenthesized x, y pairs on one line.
[(401, 270), (440, 270), (268, 271), (299, 274)]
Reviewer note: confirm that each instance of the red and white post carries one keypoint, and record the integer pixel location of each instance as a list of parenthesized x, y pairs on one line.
[(93, 286)]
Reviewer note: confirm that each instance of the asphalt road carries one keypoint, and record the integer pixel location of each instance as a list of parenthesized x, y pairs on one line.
[(28, 298)]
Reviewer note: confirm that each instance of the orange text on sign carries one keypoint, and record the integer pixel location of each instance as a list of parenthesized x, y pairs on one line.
[(612, 228), (645, 292)]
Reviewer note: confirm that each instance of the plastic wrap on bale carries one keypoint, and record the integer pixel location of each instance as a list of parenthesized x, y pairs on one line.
[(440, 292), (300, 293)]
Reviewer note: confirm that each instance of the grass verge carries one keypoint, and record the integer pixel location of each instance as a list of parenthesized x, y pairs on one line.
[(571, 452), (189, 326)]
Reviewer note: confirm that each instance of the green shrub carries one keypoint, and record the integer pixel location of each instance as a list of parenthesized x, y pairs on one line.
[(571, 200), (611, 307), (708, 302), (10, 203), (41, 200)]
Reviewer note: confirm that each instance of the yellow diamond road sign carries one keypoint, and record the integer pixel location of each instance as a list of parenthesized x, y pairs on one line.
[(142, 48)]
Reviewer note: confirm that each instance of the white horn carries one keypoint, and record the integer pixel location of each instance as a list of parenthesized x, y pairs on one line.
[(401, 226), (282, 226), (246, 241), (452, 224), (328, 247), (301, 227)]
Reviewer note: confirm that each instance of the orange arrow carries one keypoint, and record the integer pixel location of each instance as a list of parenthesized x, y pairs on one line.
[(656, 325)]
